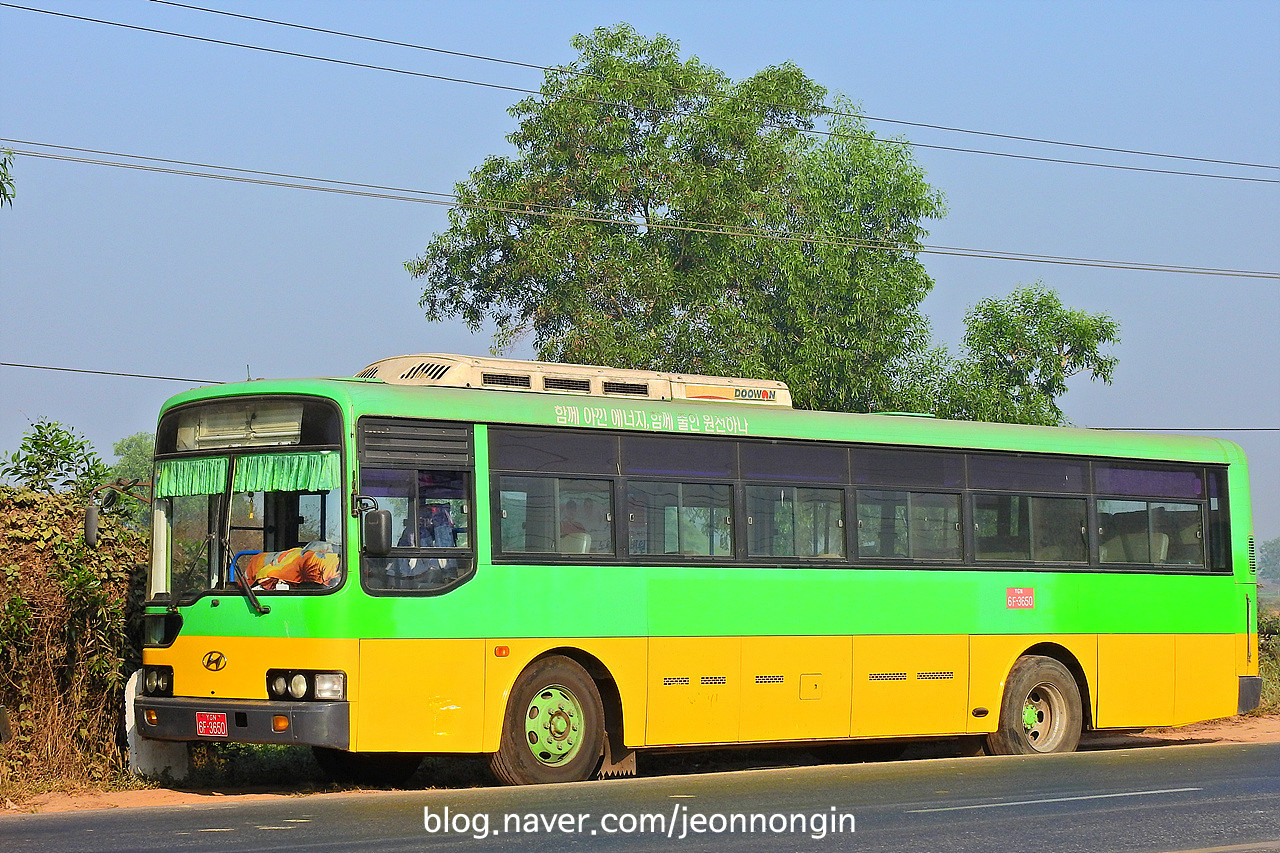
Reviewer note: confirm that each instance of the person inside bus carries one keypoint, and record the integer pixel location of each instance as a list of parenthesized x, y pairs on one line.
[(574, 538)]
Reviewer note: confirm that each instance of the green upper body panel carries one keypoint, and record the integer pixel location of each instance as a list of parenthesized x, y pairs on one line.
[(586, 601)]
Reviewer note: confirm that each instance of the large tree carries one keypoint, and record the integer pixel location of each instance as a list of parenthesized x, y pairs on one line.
[(659, 215)]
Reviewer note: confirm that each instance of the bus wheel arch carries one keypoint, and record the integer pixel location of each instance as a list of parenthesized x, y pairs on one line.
[(1068, 659), (1041, 710), (553, 728)]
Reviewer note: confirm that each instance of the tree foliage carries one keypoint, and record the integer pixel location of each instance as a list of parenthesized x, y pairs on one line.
[(1269, 559), (1019, 353), (54, 459), (6, 179), (659, 215), (135, 464)]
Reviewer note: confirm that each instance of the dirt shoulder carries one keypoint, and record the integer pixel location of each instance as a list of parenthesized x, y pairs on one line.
[(1229, 730)]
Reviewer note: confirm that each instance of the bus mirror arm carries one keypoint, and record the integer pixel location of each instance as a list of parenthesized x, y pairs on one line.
[(377, 532), (110, 493)]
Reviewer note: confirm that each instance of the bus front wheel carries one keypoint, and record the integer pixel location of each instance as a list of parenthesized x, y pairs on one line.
[(1041, 710), (553, 730)]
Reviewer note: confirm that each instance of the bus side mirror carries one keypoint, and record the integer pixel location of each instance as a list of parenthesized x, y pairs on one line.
[(377, 532), (91, 524)]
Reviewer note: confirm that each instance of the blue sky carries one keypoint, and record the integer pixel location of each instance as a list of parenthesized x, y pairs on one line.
[(120, 270)]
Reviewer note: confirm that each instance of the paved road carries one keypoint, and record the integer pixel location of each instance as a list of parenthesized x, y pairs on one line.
[(1223, 798)]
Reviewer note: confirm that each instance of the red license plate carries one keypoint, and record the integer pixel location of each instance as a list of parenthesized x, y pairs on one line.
[(211, 725)]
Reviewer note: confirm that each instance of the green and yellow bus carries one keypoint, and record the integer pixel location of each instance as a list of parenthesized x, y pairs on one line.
[(558, 566)]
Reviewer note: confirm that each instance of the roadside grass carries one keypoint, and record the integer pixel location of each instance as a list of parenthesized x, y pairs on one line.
[(1269, 661)]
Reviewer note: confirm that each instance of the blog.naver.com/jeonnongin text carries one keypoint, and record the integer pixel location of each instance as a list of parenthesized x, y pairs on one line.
[(676, 824)]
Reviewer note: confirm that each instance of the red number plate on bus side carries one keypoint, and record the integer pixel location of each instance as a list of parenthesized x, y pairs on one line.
[(1020, 598), (211, 725)]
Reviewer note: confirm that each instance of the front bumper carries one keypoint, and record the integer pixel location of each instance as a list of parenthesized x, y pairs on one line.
[(248, 720)]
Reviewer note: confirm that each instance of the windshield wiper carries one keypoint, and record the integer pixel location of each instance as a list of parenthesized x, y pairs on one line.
[(241, 582)]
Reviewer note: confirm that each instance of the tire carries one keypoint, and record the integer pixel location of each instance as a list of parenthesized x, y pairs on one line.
[(374, 769), (553, 730), (1041, 710)]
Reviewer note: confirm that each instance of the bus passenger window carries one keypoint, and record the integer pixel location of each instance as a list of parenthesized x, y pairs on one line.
[(555, 515), (430, 512), (784, 521), (1002, 527), (935, 527), (1059, 528), (909, 525), (687, 519), (1184, 526), (1123, 532), (882, 524)]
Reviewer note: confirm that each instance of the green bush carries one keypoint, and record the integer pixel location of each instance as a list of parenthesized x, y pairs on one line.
[(69, 622)]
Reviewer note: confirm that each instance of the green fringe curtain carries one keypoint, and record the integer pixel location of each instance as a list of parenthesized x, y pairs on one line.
[(182, 477), (287, 472)]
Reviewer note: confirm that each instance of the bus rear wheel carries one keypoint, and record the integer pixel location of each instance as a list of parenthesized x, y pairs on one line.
[(1041, 710), (553, 730)]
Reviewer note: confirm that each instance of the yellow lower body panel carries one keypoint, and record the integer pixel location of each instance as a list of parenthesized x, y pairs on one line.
[(420, 696), (450, 696)]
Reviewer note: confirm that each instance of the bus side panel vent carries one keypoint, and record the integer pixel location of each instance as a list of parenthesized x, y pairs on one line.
[(560, 383), (631, 389), (1253, 558), (935, 676), (506, 380), (887, 676), (675, 682), (401, 441), (714, 679), (770, 679)]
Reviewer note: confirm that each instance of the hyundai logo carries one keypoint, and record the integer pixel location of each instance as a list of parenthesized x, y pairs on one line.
[(214, 661)]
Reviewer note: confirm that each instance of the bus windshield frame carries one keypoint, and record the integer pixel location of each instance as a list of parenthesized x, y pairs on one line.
[(248, 490)]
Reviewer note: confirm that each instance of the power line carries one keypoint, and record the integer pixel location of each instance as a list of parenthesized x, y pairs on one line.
[(546, 211), (521, 90), (111, 373), (1189, 429), (824, 111), (218, 382)]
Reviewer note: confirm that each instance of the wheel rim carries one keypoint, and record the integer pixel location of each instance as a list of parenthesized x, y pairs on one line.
[(1044, 714), (553, 725)]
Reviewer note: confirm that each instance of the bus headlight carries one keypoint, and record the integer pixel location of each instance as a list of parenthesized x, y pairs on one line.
[(157, 680), (306, 685), (331, 685)]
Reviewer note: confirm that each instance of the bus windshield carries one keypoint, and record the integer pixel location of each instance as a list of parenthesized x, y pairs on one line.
[(270, 519)]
